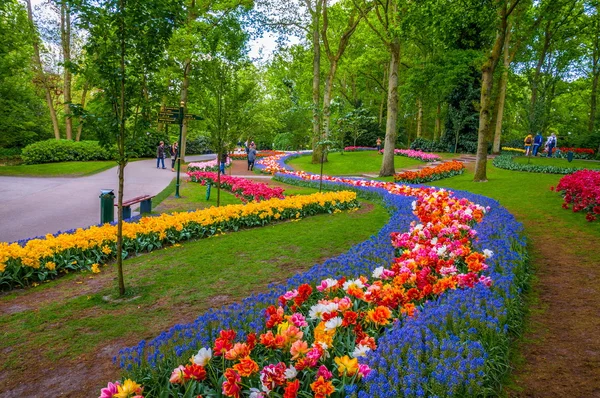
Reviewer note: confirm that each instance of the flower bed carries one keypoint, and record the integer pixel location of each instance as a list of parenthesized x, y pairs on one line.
[(512, 151), (242, 188), (506, 162), (448, 336), (582, 190), (261, 154), (210, 165), (444, 170), (419, 155), (578, 153), (359, 148), (42, 259)]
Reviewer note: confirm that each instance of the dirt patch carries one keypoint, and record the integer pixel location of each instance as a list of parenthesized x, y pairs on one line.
[(561, 349)]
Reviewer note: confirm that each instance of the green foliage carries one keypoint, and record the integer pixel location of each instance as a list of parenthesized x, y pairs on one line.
[(198, 145), (65, 151), (425, 145)]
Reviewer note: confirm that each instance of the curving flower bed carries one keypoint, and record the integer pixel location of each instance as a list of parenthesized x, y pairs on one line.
[(260, 154), (42, 259), (582, 190), (210, 165), (578, 153), (444, 170), (419, 155), (506, 162), (422, 313), (242, 188)]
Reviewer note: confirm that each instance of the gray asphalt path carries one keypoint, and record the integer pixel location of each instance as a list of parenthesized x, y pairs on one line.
[(32, 207)]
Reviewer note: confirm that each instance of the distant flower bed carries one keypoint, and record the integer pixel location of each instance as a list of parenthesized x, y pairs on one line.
[(42, 259), (259, 154), (578, 153), (444, 170), (419, 155), (514, 150), (242, 188), (210, 165), (581, 190), (392, 317), (358, 148), (505, 161)]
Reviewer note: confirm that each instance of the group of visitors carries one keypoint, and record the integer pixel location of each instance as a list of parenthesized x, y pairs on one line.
[(533, 144), (161, 154)]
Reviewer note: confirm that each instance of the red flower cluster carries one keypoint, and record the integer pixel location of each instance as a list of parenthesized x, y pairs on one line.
[(427, 174), (582, 189), (242, 188), (588, 151)]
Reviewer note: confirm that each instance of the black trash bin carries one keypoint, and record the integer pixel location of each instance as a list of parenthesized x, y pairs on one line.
[(570, 156), (107, 206)]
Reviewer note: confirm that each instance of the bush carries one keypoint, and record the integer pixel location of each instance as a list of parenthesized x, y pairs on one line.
[(51, 151), (422, 144), (198, 146), (144, 145)]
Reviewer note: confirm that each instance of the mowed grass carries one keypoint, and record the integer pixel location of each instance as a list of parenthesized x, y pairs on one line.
[(61, 169), (350, 163), (557, 162), (70, 317)]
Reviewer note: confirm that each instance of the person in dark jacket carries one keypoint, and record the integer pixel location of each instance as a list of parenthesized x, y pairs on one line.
[(251, 157), (174, 154), (160, 155), (537, 142), (223, 160)]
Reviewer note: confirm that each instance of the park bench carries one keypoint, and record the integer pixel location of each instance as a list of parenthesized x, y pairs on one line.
[(145, 202)]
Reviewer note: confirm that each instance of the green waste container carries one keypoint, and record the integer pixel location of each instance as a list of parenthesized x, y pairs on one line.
[(107, 206), (570, 156)]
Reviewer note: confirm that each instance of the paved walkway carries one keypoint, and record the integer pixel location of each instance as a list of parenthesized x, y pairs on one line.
[(39, 206)]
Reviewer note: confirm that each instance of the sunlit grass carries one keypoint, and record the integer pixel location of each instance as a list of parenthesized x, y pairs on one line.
[(61, 169)]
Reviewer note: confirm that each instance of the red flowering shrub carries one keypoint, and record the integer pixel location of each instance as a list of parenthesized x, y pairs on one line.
[(242, 188), (582, 190)]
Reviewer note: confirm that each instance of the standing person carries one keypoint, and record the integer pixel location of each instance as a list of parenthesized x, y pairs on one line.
[(174, 154), (223, 160), (537, 142), (550, 144), (251, 157), (528, 141), (160, 155), (378, 142)]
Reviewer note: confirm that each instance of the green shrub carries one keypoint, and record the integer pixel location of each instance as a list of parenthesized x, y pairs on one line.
[(422, 144), (198, 145), (51, 151)]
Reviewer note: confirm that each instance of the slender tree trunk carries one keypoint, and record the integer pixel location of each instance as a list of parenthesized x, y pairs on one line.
[(327, 99), (594, 93), (419, 117), (184, 98), (41, 76), (316, 83), (387, 166), (438, 122), (487, 82), (65, 30), (83, 97), (502, 95), (121, 148)]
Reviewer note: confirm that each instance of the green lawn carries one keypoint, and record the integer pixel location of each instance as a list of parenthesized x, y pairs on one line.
[(71, 317), (62, 169), (557, 162), (350, 163)]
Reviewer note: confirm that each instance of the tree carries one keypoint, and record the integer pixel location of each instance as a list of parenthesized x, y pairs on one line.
[(126, 40)]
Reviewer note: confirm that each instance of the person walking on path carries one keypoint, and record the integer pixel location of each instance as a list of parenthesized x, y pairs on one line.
[(160, 155), (251, 157), (537, 142), (223, 160), (378, 142), (550, 144), (528, 141), (174, 154)]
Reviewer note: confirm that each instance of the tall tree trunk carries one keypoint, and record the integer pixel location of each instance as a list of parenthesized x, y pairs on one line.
[(41, 76), (65, 34), (327, 99), (502, 95), (419, 117), (184, 97), (487, 82), (316, 83), (83, 97), (594, 93), (387, 165), (437, 133), (121, 149)]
